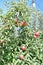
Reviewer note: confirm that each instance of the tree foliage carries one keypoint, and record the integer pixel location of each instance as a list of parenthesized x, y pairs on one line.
[(21, 43)]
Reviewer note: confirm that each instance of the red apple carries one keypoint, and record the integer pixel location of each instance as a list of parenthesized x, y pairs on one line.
[(23, 24), (23, 48), (21, 57), (36, 34)]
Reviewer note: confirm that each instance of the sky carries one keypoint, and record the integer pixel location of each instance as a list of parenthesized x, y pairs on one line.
[(39, 4)]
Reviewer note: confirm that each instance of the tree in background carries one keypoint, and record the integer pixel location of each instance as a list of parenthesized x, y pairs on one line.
[(19, 43)]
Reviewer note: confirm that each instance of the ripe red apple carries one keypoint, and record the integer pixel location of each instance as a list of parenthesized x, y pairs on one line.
[(23, 24), (23, 48), (36, 34), (21, 57)]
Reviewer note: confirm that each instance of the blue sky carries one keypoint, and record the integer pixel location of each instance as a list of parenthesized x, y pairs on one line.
[(39, 4)]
